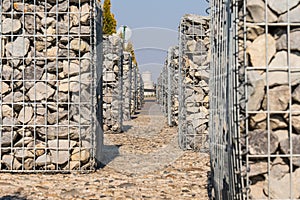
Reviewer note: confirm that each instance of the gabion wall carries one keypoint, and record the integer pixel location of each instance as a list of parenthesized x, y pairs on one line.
[(127, 85), (133, 107), (172, 73), (112, 84), (48, 83), (257, 64), (193, 82), (140, 91)]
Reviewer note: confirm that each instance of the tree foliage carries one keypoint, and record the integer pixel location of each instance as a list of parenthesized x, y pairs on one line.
[(129, 48), (109, 21)]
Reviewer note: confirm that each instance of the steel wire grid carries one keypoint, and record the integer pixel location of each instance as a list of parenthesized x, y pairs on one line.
[(272, 109), (113, 84), (225, 150), (165, 89), (48, 103), (193, 75), (133, 90), (127, 80), (140, 91)]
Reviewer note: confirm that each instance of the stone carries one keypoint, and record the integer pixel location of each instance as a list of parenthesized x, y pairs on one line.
[(33, 73), (257, 191), (59, 150), (281, 60), (6, 5), (293, 15), (74, 84), (11, 162), (277, 122), (47, 21), (202, 75), (80, 154), (23, 154), (23, 142), (31, 24), (83, 30), (258, 142), (281, 43), (43, 160), (296, 94), (79, 45), (18, 48), (74, 16), (296, 122), (280, 77), (61, 7), (7, 138), (53, 117), (256, 9), (28, 164), (25, 114), (279, 98), (109, 76), (40, 91), (51, 53), (281, 7), (257, 50), (282, 135), (10, 25), (279, 169), (63, 132), (256, 90), (7, 111), (51, 79), (74, 67), (14, 97), (85, 13), (258, 168), (285, 147), (253, 32), (5, 88), (280, 188), (41, 45)]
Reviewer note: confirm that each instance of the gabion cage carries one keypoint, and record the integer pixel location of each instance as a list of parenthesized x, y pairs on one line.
[(49, 80), (127, 85), (134, 89), (172, 92), (255, 109), (112, 84), (193, 82), (140, 91)]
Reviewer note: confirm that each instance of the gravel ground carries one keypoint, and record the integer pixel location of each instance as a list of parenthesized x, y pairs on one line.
[(144, 162)]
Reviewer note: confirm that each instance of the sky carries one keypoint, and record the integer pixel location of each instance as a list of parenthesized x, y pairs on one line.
[(154, 25)]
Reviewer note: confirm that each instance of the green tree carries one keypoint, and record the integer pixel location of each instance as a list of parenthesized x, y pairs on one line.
[(109, 21)]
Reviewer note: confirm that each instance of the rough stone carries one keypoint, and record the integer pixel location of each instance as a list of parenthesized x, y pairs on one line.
[(279, 98), (11, 162), (40, 91), (79, 45), (6, 5), (59, 150), (5, 88), (280, 77), (80, 154), (293, 15), (256, 90), (18, 48), (257, 50), (10, 25), (85, 14), (23, 142), (296, 94), (25, 114), (7, 137), (277, 122), (258, 168), (257, 11), (23, 154), (281, 60), (281, 43), (285, 147), (281, 7), (278, 169), (43, 160), (258, 142)]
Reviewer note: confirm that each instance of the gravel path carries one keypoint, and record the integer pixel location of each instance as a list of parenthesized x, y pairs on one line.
[(144, 162)]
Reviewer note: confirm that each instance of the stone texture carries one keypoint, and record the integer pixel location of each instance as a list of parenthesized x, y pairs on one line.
[(11, 162), (257, 50), (256, 90), (5, 88), (258, 142), (18, 48), (293, 15), (79, 45), (40, 91), (285, 147), (279, 98), (25, 114), (281, 7), (257, 11), (281, 60), (10, 26), (281, 42), (80, 154), (296, 94)]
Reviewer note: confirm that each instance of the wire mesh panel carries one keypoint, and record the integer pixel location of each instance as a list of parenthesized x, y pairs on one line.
[(127, 81), (159, 90), (164, 90), (133, 89), (48, 83), (172, 73), (193, 82), (270, 55), (112, 84), (140, 91)]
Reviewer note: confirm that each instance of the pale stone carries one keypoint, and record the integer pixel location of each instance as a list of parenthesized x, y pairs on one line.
[(281, 43), (280, 77), (7, 138), (5, 88), (10, 25), (61, 7), (257, 10), (74, 84), (281, 60), (79, 45), (43, 160), (6, 5), (85, 13), (293, 15), (279, 98), (18, 48), (74, 15), (7, 111), (74, 67), (258, 168), (257, 50), (258, 142), (51, 53), (80, 154), (41, 45), (282, 6), (23, 154), (25, 114), (11, 162), (282, 135), (256, 90), (59, 150), (63, 132), (49, 78), (23, 142), (285, 147), (296, 94), (109, 76), (279, 168), (28, 164), (277, 122), (296, 122), (40, 91)]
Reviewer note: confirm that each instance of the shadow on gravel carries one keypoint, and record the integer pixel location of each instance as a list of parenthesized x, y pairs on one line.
[(126, 128), (110, 152), (12, 197)]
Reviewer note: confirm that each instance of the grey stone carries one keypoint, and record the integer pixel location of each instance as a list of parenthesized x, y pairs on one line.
[(281, 7), (279, 169), (10, 25), (7, 138), (256, 90), (277, 122), (83, 30), (63, 132), (7, 111), (61, 7), (40, 91), (6, 5), (23, 142), (25, 114), (296, 120), (280, 77), (75, 84), (285, 147), (15, 97), (256, 9), (80, 154), (28, 164), (11, 162), (282, 135), (293, 14), (258, 168), (23, 154), (74, 16), (281, 60), (257, 50), (74, 67), (258, 142), (5, 88), (109, 76), (59, 150)]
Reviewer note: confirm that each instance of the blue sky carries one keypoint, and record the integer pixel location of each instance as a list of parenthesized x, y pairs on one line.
[(154, 25)]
